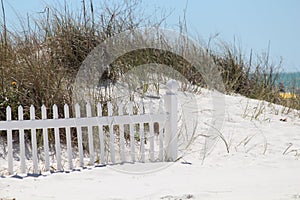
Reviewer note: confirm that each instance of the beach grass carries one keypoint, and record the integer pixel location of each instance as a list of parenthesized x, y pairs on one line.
[(39, 63)]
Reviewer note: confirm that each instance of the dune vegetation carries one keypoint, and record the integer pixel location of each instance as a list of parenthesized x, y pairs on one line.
[(39, 63)]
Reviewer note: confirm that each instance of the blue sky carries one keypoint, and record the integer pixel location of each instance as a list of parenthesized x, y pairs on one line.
[(253, 24)]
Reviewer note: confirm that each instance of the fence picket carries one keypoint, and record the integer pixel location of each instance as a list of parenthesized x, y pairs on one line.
[(79, 136), (100, 126), (33, 142), (57, 140), (111, 133), (45, 139), (22, 142), (142, 134), (122, 143), (9, 143), (161, 135), (90, 135), (68, 136), (131, 130), (151, 132)]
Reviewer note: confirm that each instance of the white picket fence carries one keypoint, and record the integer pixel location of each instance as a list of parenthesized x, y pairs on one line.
[(167, 148)]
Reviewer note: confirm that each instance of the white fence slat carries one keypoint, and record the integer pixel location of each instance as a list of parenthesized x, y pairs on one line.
[(68, 136), (122, 140), (57, 140), (101, 137), (131, 130), (111, 133), (22, 142), (151, 132), (9, 143), (79, 135), (34, 142), (90, 134), (161, 135), (142, 134), (45, 139)]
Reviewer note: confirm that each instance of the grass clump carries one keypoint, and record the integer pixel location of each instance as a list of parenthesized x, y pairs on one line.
[(39, 65), (255, 78)]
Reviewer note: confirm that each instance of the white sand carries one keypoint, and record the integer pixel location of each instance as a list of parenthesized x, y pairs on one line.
[(258, 165)]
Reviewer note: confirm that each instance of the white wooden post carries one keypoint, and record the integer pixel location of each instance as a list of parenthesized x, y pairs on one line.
[(22, 141), (90, 135), (101, 137), (122, 139), (131, 130), (111, 134), (45, 139), (33, 142), (79, 136), (171, 123), (68, 136), (142, 134), (9, 143), (57, 139)]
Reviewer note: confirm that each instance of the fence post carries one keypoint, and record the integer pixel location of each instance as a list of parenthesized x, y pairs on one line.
[(171, 106)]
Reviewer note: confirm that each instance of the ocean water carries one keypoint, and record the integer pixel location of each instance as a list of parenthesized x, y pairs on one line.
[(291, 81)]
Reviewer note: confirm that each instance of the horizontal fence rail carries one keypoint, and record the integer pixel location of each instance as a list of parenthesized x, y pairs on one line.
[(106, 132), (74, 122)]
